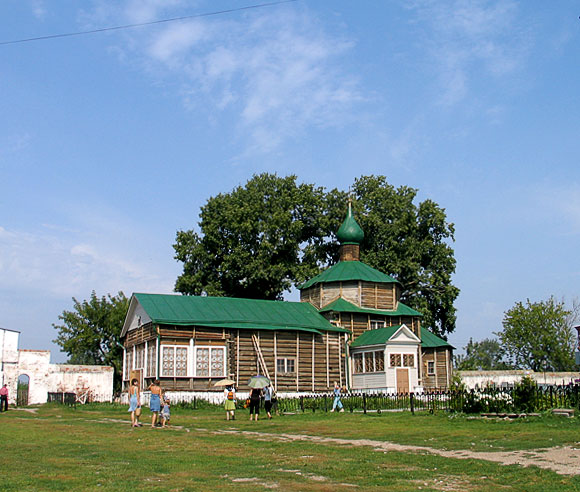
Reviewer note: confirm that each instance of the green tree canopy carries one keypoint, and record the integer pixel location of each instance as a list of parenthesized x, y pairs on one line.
[(486, 355), (410, 242), (539, 336), (271, 234), (90, 333), (255, 242)]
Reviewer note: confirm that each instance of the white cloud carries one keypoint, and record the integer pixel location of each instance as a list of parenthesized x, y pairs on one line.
[(470, 40), (176, 41), (275, 73), (64, 264)]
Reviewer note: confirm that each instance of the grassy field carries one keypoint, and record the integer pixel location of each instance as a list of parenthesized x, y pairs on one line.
[(93, 448)]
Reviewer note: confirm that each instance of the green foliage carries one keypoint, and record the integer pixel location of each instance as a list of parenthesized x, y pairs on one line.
[(90, 333), (410, 242), (256, 241), (271, 234), (525, 395), (486, 355), (539, 336)]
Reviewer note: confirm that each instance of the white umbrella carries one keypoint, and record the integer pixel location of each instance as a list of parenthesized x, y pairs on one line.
[(224, 382), (258, 382)]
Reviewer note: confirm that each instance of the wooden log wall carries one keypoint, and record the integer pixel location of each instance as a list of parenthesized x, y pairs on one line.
[(378, 296), (318, 359), (140, 335), (441, 357), (311, 295)]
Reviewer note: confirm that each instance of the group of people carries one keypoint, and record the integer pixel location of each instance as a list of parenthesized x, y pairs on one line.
[(159, 404), (253, 402)]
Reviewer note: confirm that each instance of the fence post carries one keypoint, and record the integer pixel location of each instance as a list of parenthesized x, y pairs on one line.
[(364, 403), (302, 403), (551, 396), (411, 403)]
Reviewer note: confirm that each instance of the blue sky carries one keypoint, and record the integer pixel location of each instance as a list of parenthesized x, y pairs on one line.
[(111, 142)]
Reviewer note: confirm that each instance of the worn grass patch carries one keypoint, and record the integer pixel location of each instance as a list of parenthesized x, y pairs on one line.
[(94, 448)]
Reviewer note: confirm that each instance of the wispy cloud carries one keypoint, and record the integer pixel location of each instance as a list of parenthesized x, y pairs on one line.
[(276, 73), (470, 40), (66, 263)]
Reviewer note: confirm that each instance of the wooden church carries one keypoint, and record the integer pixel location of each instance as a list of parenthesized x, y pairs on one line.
[(348, 327)]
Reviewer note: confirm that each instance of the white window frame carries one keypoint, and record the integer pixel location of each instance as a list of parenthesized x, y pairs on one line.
[(285, 364), (377, 324), (366, 354), (174, 347), (402, 356), (431, 368), (211, 349)]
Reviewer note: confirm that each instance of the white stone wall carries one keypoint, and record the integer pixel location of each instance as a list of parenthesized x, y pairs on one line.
[(96, 382), (482, 379)]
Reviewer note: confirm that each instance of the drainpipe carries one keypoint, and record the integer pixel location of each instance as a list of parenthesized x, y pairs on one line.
[(347, 358), (158, 353)]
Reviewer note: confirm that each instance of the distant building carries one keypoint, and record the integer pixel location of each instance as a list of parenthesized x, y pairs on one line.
[(39, 377), (349, 327)]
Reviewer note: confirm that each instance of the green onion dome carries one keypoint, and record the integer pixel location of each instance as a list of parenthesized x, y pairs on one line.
[(350, 232)]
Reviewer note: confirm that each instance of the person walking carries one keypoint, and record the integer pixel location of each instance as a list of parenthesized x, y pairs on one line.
[(268, 397), (255, 396), (4, 399), (155, 401), (230, 402), (135, 402), (337, 402), (166, 413)]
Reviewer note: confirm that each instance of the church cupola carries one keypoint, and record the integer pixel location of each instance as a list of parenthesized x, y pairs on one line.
[(350, 236)]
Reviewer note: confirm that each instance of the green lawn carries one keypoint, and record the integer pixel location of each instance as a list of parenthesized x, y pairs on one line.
[(94, 448)]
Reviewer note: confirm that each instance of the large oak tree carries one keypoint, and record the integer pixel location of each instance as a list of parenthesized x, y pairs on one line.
[(271, 234)]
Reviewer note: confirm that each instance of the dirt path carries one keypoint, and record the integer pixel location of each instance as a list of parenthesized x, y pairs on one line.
[(564, 460)]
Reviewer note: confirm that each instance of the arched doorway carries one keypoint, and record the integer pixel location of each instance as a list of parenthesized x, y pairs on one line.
[(22, 390)]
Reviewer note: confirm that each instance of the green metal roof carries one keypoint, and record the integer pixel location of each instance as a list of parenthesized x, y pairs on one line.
[(350, 232), (382, 336), (344, 271), (375, 337), (343, 306), (430, 340), (230, 312)]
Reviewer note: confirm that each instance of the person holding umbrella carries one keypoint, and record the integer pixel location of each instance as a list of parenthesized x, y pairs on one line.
[(229, 397), (230, 403), (256, 383)]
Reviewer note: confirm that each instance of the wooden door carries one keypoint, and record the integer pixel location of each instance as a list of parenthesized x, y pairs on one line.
[(403, 380), (138, 375)]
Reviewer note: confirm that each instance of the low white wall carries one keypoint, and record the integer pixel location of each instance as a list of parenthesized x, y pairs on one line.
[(94, 381), (482, 379)]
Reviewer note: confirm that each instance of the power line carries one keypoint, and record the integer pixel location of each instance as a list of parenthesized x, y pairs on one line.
[(129, 26)]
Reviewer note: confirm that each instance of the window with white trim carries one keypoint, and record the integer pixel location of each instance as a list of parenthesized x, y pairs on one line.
[(140, 356), (151, 359), (364, 362), (431, 367), (285, 366), (377, 323), (128, 362), (173, 361), (402, 360), (210, 362)]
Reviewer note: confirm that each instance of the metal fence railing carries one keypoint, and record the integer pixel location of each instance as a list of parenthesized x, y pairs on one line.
[(69, 399), (521, 398)]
